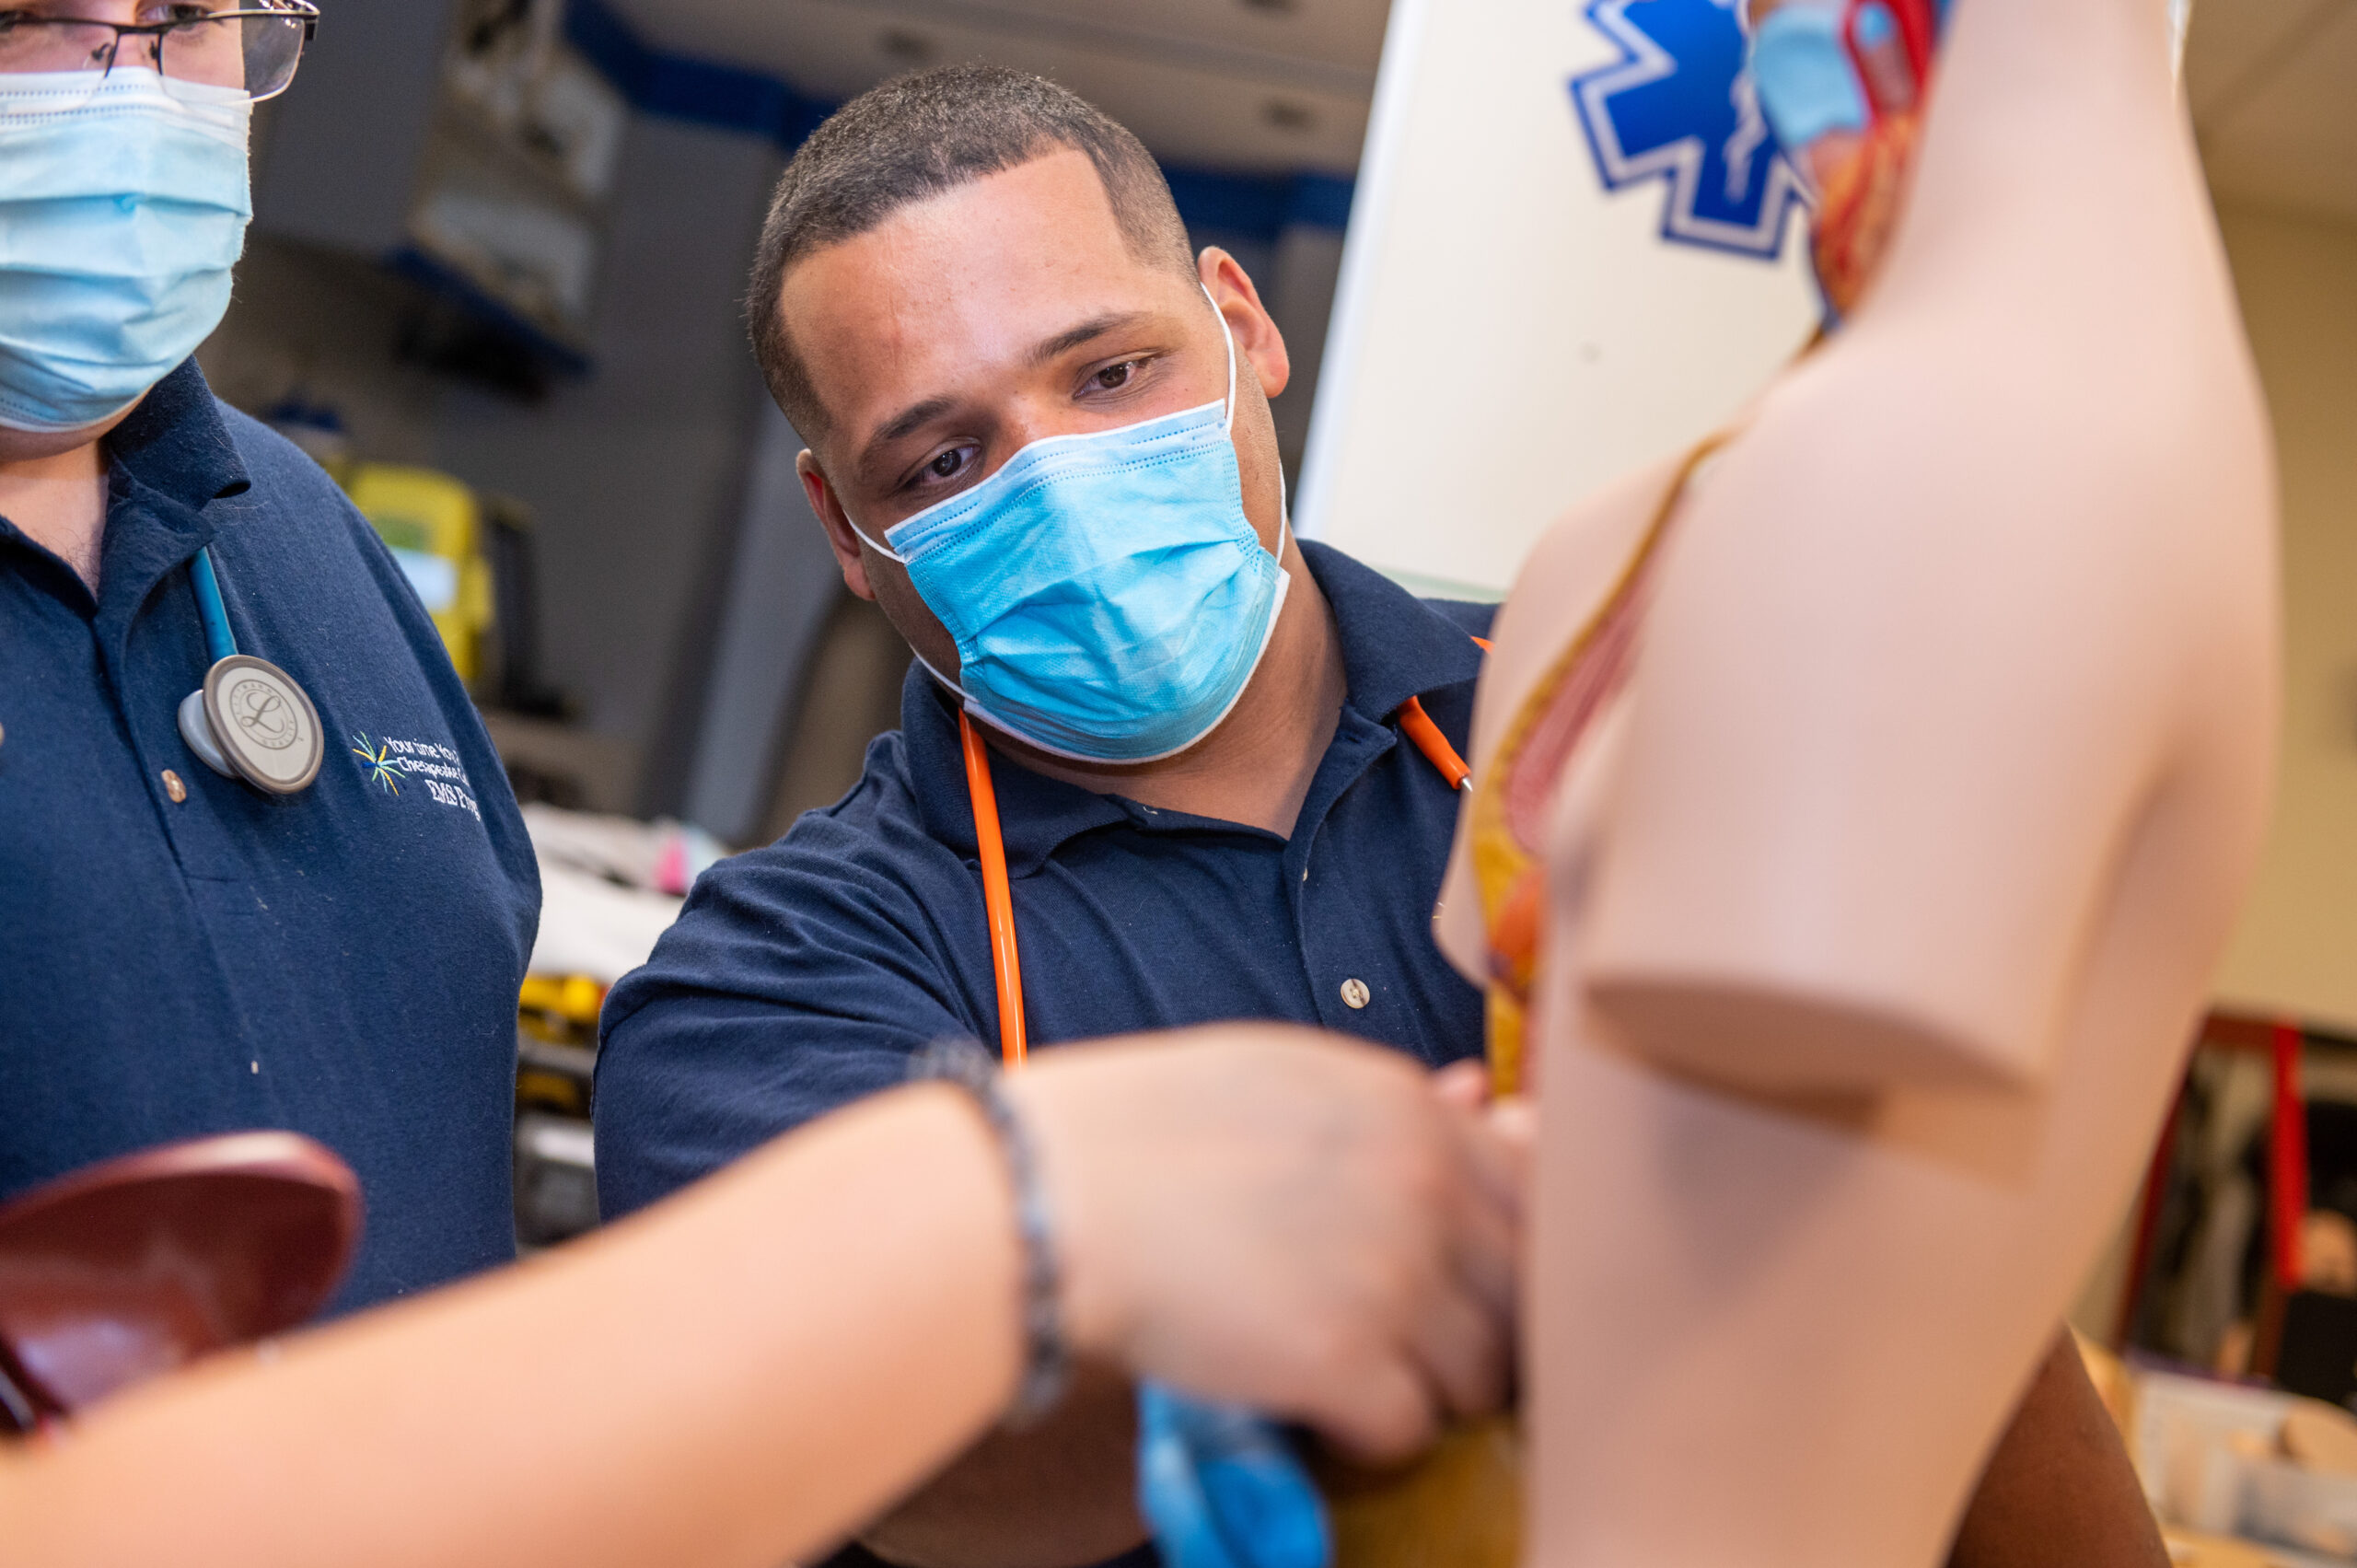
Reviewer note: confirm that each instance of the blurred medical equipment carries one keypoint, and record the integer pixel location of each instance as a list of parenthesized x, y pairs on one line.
[(131, 1268)]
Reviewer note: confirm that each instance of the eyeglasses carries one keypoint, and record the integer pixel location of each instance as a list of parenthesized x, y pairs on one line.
[(249, 50)]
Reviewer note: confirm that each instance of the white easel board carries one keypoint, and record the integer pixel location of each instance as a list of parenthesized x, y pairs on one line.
[(1575, 249)]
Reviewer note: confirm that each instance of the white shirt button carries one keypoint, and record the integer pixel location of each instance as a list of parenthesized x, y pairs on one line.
[(1355, 995)]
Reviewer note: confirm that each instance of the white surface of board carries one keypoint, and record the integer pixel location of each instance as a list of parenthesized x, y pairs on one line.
[(1509, 332)]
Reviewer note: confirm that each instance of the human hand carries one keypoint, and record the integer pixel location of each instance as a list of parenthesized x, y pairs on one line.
[(1270, 1217), (1514, 1118)]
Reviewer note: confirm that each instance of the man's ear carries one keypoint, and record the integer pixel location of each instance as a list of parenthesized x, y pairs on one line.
[(840, 536), (1256, 337)]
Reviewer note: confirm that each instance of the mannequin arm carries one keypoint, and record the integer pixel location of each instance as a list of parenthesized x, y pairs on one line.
[(742, 1375)]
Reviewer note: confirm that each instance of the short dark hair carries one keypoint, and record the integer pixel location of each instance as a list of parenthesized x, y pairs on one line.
[(912, 139)]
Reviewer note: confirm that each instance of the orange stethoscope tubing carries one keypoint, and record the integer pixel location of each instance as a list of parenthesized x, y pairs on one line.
[(998, 896), (998, 893)]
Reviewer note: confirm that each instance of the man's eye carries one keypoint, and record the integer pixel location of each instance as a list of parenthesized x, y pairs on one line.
[(1113, 378), (950, 464)]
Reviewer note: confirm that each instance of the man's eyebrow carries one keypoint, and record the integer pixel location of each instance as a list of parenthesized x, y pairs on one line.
[(916, 415), (1063, 342), (908, 420)]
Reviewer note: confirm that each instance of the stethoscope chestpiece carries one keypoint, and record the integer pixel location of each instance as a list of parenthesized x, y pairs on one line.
[(252, 721)]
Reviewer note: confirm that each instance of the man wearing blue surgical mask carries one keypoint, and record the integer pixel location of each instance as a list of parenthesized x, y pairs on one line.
[(223, 901), (1040, 438), (1160, 763)]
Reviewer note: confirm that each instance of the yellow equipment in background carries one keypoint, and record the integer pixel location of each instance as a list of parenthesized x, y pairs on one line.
[(433, 525), (564, 1002)]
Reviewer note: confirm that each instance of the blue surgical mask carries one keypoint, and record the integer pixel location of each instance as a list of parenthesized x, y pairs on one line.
[(1108, 596), (120, 220)]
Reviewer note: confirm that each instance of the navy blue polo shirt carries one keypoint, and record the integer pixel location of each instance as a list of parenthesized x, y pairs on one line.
[(803, 976), (343, 962)]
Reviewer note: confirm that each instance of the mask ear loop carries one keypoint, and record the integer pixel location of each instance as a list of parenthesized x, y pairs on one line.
[(1228, 427), (885, 551), (1285, 500)]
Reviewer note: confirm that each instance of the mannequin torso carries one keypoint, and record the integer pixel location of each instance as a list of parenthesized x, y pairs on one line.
[(1882, 895)]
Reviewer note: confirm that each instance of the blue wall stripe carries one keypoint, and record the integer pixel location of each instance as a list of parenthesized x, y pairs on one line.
[(1321, 200), (729, 98), (677, 88), (1234, 204)]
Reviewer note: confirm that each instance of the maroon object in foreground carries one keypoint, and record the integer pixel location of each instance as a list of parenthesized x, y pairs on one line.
[(137, 1267)]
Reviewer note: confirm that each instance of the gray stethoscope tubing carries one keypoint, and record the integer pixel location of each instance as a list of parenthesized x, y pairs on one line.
[(251, 720)]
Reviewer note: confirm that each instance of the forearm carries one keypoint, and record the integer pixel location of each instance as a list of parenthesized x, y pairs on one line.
[(2058, 1489), (1060, 1495), (743, 1375)]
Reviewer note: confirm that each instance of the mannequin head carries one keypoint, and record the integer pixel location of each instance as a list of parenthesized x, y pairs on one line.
[(1845, 83)]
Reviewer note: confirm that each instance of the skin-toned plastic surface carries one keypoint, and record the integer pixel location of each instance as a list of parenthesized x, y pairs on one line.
[(139, 1266), (1883, 896)]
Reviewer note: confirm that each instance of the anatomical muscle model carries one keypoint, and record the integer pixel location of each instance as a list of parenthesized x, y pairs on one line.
[(1865, 799)]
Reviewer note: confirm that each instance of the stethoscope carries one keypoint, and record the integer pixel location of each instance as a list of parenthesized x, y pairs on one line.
[(998, 896), (251, 720)]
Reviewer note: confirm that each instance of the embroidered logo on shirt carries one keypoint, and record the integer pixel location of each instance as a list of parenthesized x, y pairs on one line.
[(1680, 107), (384, 768), (391, 762)]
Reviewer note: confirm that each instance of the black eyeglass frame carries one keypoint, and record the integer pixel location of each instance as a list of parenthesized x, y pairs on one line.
[(301, 11)]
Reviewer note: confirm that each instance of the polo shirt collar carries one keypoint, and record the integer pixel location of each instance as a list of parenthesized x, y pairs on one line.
[(1394, 648), (170, 459), (1395, 645), (175, 443)]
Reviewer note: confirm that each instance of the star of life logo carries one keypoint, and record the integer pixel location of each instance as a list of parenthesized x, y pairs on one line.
[(1680, 107)]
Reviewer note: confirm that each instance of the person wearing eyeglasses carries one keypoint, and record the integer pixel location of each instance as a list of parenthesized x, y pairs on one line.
[(226, 896)]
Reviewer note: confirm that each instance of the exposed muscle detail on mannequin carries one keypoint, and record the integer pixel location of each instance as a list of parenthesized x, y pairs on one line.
[(1883, 896), (1508, 817)]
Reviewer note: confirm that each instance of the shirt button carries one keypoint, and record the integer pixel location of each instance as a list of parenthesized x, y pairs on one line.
[(179, 792), (1355, 995)]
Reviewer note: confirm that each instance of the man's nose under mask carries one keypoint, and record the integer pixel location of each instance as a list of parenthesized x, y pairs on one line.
[(1108, 596), (120, 221)]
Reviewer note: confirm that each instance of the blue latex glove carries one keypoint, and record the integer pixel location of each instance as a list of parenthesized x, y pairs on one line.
[(1222, 1488)]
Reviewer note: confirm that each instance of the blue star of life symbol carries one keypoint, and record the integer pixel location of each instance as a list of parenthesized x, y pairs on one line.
[(1680, 107)]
